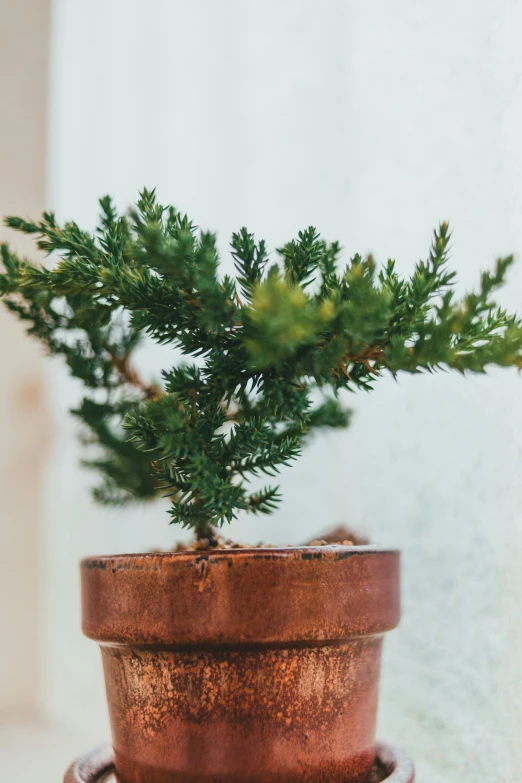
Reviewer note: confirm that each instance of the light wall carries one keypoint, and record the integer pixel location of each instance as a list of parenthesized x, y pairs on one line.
[(372, 121), (23, 407)]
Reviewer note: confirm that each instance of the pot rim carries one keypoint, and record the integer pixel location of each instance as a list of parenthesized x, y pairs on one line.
[(233, 597), (326, 552)]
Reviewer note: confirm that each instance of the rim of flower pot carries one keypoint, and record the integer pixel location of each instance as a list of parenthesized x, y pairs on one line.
[(338, 551), (240, 597)]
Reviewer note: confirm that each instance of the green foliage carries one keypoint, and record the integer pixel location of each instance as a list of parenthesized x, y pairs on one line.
[(268, 352)]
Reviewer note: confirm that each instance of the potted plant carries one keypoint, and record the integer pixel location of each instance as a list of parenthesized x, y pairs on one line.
[(226, 663)]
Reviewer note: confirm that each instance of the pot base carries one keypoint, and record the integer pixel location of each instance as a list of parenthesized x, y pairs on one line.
[(392, 766)]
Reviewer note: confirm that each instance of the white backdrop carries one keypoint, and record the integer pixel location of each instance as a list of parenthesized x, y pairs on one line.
[(372, 120)]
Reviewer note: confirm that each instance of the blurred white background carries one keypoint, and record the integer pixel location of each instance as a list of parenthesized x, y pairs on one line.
[(373, 121)]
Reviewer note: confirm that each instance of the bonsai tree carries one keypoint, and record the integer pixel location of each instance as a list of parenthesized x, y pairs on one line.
[(268, 351)]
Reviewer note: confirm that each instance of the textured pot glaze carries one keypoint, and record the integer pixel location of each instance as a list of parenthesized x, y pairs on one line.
[(242, 666)]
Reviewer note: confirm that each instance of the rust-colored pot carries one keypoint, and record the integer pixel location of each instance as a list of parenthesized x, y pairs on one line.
[(242, 666)]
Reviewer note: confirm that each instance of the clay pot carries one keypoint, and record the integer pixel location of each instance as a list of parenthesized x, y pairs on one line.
[(242, 666)]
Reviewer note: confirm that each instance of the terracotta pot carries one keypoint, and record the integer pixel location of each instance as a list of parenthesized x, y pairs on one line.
[(242, 666)]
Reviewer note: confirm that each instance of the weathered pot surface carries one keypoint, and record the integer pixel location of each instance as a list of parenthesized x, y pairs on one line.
[(242, 666)]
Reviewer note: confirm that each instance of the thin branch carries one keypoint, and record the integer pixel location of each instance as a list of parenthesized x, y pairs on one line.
[(130, 375)]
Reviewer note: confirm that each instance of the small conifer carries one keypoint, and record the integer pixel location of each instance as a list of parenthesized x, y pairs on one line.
[(269, 350)]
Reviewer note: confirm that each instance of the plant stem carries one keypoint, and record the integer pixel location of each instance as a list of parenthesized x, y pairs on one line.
[(129, 374), (205, 530)]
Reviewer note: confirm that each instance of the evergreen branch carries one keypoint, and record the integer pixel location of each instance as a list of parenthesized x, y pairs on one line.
[(268, 458), (265, 501), (248, 402), (301, 257), (250, 260)]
